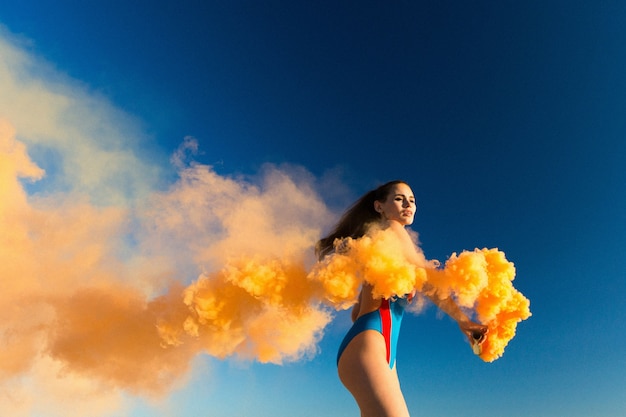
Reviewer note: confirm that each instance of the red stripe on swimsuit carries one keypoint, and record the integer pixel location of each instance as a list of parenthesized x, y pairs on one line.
[(386, 320), (386, 324)]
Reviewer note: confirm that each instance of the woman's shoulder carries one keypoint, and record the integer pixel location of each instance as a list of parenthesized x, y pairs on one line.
[(388, 225), (398, 229)]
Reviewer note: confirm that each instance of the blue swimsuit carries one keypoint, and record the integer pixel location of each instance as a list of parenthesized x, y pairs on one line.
[(386, 320)]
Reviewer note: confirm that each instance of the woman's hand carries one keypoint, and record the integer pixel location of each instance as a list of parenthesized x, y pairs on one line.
[(475, 332)]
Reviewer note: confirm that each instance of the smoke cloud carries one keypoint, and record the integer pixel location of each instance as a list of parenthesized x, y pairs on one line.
[(480, 281), (74, 299), (113, 281)]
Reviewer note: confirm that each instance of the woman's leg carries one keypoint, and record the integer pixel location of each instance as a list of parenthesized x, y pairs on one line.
[(364, 371)]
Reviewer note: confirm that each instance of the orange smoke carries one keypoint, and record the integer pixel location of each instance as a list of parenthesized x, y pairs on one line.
[(378, 259), (480, 281), (103, 294), (254, 308), (110, 286), (64, 294), (106, 293)]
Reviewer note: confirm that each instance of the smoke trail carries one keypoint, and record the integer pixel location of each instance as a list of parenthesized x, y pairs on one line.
[(86, 144), (65, 292), (257, 309), (127, 320), (111, 286), (254, 301)]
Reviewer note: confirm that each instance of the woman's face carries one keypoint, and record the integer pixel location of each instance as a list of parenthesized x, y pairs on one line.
[(399, 205)]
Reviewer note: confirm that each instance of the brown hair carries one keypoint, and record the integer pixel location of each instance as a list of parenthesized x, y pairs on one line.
[(356, 219)]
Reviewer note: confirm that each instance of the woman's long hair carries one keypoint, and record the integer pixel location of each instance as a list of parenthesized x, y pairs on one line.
[(356, 219)]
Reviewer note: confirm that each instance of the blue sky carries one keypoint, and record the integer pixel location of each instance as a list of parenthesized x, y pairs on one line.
[(506, 118)]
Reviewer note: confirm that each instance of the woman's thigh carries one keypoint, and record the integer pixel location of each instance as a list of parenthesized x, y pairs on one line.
[(364, 371)]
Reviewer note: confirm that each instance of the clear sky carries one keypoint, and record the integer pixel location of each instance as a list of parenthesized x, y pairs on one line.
[(507, 118)]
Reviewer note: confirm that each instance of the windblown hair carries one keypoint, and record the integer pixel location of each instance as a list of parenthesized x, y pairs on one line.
[(355, 221)]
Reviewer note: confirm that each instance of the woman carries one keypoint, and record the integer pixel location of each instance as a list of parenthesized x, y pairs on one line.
[(366, 359)]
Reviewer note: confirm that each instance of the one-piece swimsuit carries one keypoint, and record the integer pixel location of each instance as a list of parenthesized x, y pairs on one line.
[(386, 320)]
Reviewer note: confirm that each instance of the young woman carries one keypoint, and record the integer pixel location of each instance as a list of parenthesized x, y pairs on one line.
[(366, 359)]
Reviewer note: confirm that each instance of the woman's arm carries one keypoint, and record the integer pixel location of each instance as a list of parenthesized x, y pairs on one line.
[(473, 331), (448, 306), (356, 308)]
